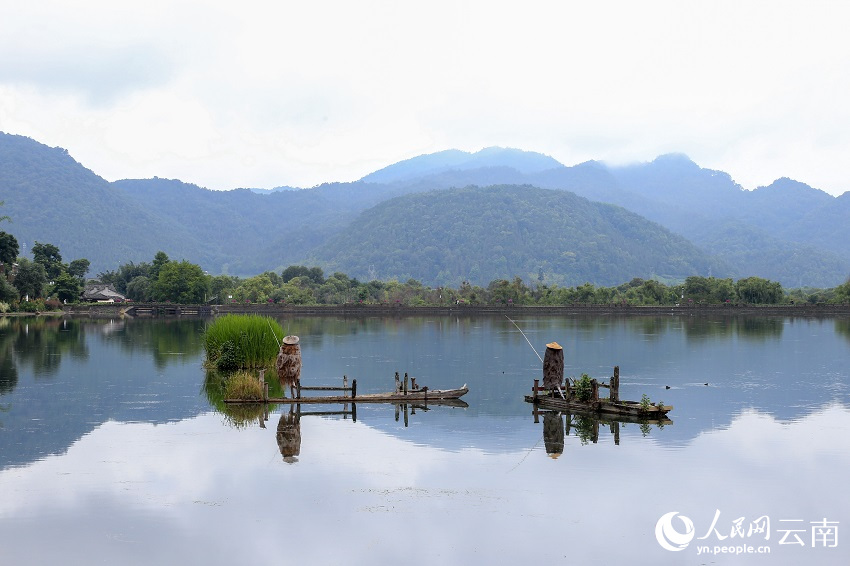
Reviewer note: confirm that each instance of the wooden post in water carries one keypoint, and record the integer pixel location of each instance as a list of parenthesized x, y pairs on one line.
[(614, 394), (344, 394), (594, 391), (397, 383), (405, 384), (553, 366), (353, 388)]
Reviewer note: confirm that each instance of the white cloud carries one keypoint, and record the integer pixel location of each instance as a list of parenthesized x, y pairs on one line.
[(267, 94)]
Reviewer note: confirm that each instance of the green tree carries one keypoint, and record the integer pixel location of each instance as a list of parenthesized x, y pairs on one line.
[(759, 291), (8, 292), (159, 261), (181, 282), (139, 289), (67, 287), (31, 279), (256, 289), (221, 286), (315, 274), (8, 248), (842, 292), (48, 255), (78, 268)]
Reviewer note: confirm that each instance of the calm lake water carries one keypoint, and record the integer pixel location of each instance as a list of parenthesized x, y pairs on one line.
[(114, 448)]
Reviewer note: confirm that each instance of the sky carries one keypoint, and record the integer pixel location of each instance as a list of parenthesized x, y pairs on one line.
[(263, 94)]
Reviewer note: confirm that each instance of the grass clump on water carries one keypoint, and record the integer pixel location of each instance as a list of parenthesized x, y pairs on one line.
[(243, 385), (238, 341)]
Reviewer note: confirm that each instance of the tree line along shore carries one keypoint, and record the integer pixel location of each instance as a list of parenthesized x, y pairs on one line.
[(46, 283)]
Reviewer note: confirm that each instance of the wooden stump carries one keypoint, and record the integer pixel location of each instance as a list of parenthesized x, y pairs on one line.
[(553, 366), (289, 363)]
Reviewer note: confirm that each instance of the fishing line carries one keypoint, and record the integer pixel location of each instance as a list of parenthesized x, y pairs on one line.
[(526, 338), (529, 451)]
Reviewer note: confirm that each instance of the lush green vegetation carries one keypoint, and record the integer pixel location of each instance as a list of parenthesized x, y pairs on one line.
[(480, 234), (242, 341), (300, 285)]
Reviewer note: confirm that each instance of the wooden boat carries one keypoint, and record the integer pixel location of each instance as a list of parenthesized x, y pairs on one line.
[(419, 396), (415, 395)]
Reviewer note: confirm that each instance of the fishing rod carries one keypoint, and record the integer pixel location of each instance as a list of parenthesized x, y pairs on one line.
[(273, 334)]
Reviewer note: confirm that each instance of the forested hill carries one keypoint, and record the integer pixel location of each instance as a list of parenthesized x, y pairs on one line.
[(787, 231), (53, 199), (480, 234)]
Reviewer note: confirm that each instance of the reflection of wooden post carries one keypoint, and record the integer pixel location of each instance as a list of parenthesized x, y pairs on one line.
[(534, 392), (553, 366), (615, 386), (289, 364), (615, 428)]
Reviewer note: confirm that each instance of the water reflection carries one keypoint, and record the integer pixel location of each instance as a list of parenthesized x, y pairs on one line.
[(842, 327), (38, 344), (289, 436), (558, 425), (166, 340)]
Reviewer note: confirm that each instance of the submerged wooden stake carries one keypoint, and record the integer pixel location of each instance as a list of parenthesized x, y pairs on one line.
[(615, 386)]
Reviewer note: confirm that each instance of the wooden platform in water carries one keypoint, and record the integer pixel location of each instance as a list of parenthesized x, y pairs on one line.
[(627, 409)]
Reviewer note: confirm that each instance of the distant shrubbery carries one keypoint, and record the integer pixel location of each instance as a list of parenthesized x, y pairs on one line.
[(299, 285)]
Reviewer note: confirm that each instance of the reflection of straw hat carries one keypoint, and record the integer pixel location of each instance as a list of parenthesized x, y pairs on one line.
[(554, 346), (554, 455)]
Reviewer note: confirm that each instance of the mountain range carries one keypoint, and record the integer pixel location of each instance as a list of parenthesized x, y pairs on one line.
[(442, 218)]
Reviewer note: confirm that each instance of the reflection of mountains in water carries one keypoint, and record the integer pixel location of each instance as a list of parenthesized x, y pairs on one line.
[(59, 379)]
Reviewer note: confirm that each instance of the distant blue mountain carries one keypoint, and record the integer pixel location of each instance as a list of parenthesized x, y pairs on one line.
[(525, 162)]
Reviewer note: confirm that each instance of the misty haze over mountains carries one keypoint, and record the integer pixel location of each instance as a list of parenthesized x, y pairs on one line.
[(443, 218)]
